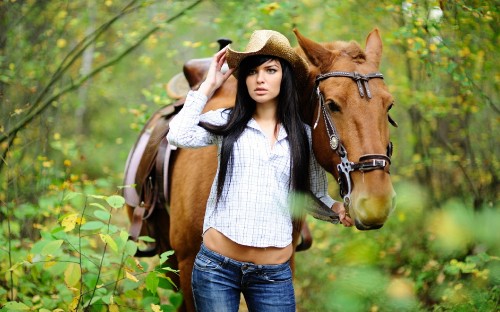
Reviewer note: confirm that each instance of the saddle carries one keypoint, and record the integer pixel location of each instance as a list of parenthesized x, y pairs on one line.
[(147, 168)]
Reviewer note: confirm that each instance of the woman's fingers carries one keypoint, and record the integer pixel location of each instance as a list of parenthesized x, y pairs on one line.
[(344, 219), (220, 57), (215, 76)]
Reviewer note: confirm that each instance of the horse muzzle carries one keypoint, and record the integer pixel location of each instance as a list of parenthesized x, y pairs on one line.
[(370, 212)]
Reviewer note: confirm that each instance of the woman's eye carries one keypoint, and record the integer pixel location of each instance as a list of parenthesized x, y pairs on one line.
[(271, 70), (252, 72), (334, 107)]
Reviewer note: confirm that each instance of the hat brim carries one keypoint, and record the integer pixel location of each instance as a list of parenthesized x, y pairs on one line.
[(272, 48)]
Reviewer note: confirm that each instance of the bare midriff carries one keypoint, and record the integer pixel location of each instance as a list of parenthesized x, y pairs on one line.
[(216, 241)]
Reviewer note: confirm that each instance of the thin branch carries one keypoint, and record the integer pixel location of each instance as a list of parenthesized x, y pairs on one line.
[(77, 51), (45, 104), (462, 167)]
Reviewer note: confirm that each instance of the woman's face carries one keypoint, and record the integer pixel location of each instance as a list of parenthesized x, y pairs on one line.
[(264, 82)]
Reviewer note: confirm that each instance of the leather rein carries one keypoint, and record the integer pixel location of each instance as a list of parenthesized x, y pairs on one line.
[(367, 162)]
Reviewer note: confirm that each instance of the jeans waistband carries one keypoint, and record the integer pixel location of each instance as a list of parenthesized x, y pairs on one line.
[(223, 260)]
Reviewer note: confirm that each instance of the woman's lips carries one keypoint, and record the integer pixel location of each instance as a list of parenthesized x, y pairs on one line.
[(260, 91)]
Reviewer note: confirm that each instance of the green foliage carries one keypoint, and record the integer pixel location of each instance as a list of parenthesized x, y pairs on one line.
[(82, 261)]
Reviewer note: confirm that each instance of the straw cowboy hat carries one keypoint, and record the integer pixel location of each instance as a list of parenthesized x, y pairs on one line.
[(269, 42)]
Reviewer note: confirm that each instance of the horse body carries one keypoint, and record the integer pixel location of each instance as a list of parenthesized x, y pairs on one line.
[(362, 127)]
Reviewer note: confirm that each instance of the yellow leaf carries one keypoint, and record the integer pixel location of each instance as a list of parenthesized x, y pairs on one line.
[(74, 303), (131, 277), (155, 308), (72, 274), (109, 240), (69, 222), (113, 308), (138, 264)]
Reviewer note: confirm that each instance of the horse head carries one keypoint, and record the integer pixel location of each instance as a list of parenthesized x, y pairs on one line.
[(349, 115)]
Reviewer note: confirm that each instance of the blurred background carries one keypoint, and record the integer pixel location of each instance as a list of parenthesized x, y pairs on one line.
[(78, 80)]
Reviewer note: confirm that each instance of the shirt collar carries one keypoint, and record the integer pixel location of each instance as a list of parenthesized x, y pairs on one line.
[(281, 132)]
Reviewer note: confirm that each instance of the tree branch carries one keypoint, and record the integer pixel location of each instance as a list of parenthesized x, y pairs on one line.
[(40, 105)]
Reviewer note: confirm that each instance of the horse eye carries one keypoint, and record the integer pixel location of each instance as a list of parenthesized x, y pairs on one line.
[(334, 107)]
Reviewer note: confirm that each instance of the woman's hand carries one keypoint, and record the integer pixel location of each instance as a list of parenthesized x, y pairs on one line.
[(215, 77), (345, 219)]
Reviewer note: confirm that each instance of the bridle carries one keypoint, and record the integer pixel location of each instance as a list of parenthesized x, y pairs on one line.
[(367, 162)]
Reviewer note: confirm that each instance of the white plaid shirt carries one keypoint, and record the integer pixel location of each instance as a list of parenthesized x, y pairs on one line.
[(254, 209)]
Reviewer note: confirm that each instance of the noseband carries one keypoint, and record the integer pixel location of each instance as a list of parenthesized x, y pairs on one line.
[(367, 162)]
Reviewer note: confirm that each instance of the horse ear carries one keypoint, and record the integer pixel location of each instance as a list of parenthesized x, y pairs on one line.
[(373, 48), (315, 52)]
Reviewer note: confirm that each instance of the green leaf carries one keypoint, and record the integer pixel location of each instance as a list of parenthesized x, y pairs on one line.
[(15, 306), (152, 282), (99, 206), (130, 248), (71, 195), (103, 215), (166, 283), (115, 201), (170, 270), (166, 278), (97, 196), (72, 274), (16, 265), (175, 298), (124, 235), (167, 308), (164, 256), (51, 247), (92, 225), (146, 239)]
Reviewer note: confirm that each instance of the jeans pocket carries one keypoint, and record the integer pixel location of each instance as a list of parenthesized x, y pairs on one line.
[(278, 276), (204, 263)]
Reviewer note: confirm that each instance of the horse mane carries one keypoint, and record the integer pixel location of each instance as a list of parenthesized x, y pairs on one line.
[(351, 48)]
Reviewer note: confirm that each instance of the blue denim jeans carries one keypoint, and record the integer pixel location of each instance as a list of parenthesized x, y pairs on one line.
[(218, 282)]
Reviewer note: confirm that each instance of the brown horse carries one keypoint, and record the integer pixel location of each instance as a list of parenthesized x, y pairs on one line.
[(346, 102)]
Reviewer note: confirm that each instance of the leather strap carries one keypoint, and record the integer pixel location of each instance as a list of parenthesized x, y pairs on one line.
[(136, 223)]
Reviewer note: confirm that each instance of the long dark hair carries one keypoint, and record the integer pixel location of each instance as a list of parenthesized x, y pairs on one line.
[(287, 114)]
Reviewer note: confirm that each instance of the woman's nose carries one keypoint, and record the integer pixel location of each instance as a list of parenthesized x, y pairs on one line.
[(260, 77)]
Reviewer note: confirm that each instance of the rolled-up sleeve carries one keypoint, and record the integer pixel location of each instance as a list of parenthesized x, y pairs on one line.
[(184, 130)]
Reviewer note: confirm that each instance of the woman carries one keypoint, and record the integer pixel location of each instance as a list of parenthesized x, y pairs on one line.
[(265, 157)]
